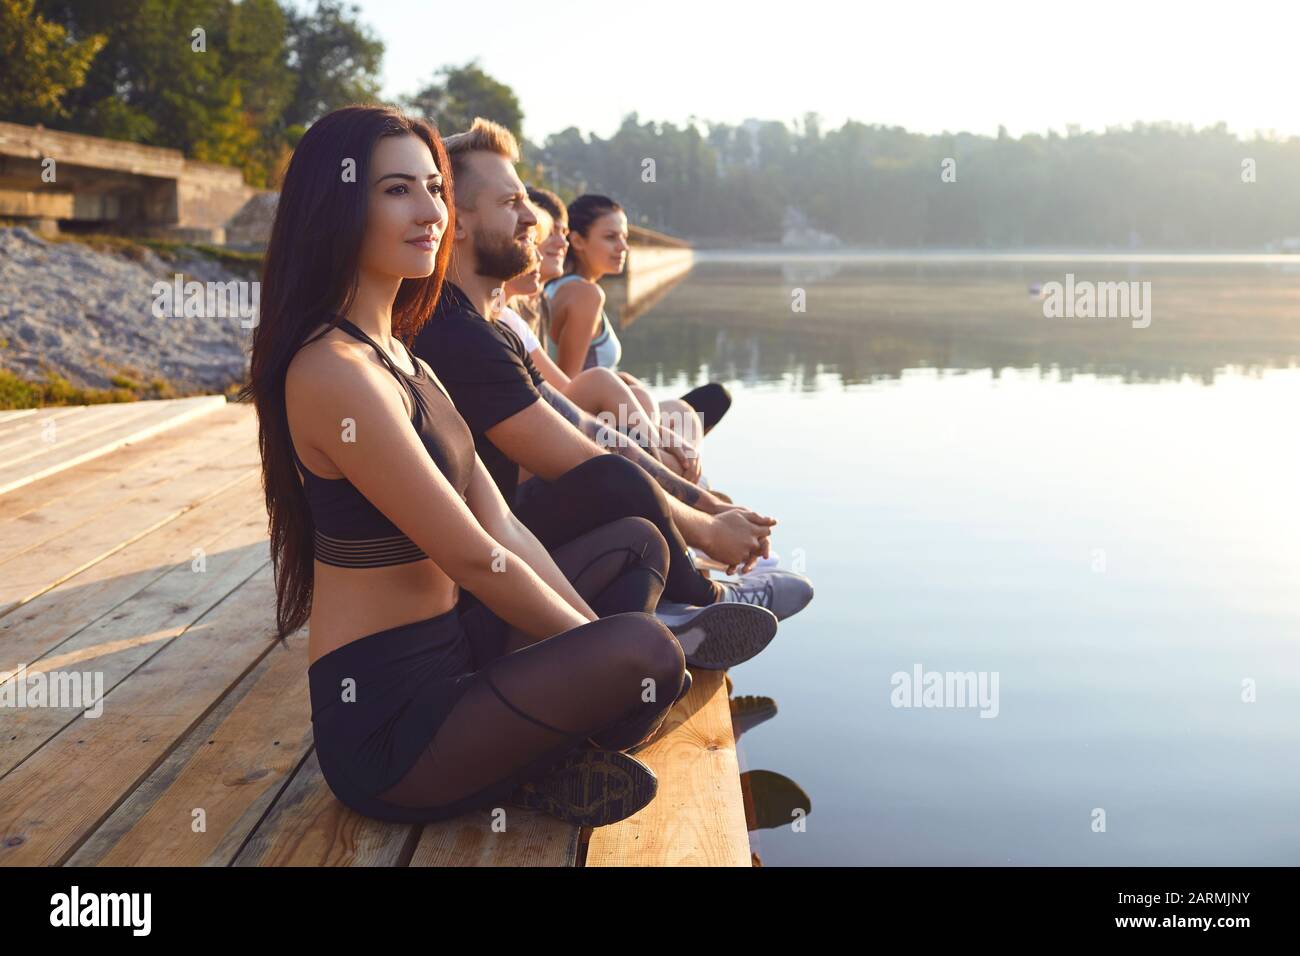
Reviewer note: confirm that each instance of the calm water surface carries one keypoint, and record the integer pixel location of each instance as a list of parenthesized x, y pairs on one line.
[(1103, 517)]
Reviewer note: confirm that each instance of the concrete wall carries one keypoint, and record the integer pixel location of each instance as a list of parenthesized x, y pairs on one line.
[(209, 196), (125, 186), (650, 268), (37, 142), (21, 204)]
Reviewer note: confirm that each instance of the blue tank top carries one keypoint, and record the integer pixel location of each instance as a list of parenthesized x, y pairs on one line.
[(605, 350)]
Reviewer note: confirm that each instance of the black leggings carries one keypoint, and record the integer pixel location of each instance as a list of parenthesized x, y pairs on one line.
[(604, 489), (425, 737), (617, 567), (710, 402)]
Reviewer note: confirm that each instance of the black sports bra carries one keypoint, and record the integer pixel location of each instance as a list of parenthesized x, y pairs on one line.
[(350, 531)]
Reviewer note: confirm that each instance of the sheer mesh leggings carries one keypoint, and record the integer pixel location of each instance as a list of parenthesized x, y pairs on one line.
[(609, 683), (603, 489), (616, 567)]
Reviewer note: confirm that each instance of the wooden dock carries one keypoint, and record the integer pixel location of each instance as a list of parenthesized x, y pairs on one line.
[(133, 547)]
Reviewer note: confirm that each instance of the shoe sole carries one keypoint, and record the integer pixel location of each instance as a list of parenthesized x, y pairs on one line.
[(591, 788), (724, 635)]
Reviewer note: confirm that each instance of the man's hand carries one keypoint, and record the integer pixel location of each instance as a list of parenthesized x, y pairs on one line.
[(739, 537)]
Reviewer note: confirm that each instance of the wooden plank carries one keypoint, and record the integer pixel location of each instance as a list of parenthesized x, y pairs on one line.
[(235, 765), (308, 826), (232, 767), (41, 625), (529, 839), (114, 647), (41, 433), (170, 462), (74, 551), (13, 424), (698, 816), (71, 484), (44, 459), (183, 670), (61, 794)]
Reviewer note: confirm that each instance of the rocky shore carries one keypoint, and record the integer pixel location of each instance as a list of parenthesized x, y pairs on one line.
[(86, 311)]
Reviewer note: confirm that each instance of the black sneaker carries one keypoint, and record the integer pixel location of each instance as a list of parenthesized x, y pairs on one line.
[(591, 788)]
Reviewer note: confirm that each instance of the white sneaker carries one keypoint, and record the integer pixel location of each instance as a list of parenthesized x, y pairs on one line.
[(784, 593)]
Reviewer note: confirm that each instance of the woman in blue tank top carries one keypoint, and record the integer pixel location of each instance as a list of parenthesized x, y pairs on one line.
[(603, 348), (597, 247), (585, 337)]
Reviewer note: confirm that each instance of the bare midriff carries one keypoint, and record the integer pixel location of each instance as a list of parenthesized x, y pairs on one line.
[(349, 603)]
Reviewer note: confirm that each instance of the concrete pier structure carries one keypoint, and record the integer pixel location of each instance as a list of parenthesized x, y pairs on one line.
[(49, 177)]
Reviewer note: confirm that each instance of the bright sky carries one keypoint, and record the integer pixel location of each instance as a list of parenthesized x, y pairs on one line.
[(928, 65)]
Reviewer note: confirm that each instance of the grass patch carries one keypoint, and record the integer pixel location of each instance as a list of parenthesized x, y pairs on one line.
[(133, 248), (57, 390)]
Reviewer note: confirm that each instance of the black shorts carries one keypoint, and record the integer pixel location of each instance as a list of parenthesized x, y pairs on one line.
[(377, 701)]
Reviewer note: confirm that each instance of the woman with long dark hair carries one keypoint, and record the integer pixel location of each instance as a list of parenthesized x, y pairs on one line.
[(429, 700)]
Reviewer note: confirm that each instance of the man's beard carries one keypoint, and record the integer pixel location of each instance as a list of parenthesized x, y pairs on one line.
[(502, 258)]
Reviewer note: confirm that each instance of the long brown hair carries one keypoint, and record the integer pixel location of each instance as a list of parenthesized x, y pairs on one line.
[(310, 276)]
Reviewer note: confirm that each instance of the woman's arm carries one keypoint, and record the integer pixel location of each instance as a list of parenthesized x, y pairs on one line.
[(574, 313), (553, 374), (485, 501), (336, 395)]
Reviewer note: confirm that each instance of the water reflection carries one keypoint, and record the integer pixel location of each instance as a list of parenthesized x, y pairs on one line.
[(1122, 556), (872, 320)]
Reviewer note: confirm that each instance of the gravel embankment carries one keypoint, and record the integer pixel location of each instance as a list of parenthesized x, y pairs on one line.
[(88, 315)]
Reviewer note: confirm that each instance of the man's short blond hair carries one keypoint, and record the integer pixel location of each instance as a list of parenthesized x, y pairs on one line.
[(484, 136)]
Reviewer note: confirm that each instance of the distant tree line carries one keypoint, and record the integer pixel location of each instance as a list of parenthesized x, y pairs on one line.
[(1144, 186), (129, 69)]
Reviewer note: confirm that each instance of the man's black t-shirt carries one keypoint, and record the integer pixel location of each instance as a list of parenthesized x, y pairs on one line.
[(486, 371)]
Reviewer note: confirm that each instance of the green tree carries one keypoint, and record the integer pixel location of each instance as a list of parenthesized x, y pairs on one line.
[(240, 92), (335, 58), (251, 37), (40, 64), (159, 80), (460, 93)]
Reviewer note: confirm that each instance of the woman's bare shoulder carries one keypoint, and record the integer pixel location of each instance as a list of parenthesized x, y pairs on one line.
[(579, 294), (329, 365)]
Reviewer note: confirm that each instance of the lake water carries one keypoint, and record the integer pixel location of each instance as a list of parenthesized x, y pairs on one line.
[(1102, 517)]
